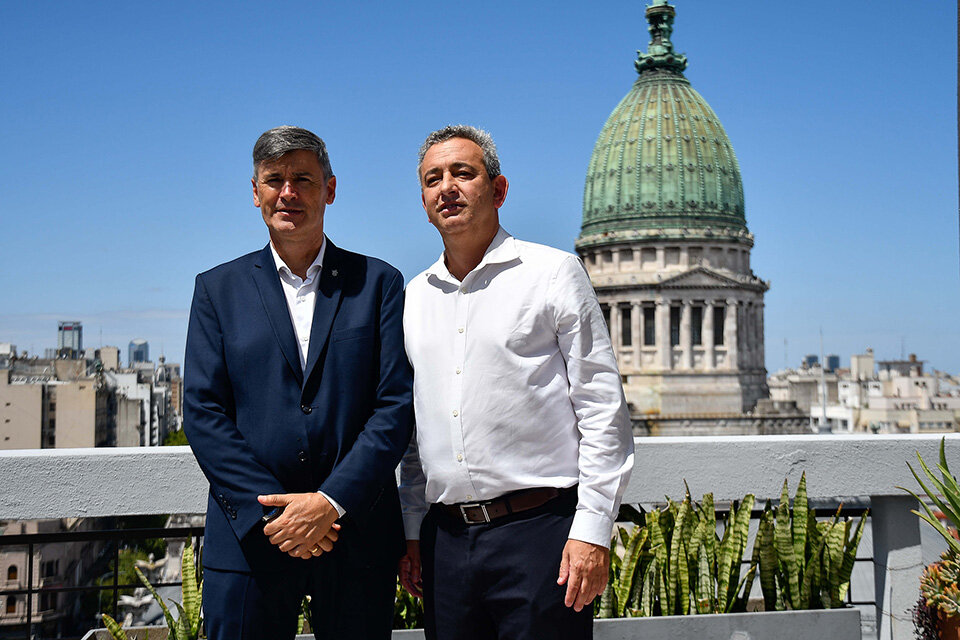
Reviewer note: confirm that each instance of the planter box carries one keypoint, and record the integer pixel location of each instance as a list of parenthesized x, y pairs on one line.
[(134, 633), (835, 624)]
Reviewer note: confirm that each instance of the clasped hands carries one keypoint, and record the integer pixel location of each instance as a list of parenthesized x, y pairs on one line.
[(306, 526)]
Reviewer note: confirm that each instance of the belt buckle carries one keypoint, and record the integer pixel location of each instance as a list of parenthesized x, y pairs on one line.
[(474, 505)]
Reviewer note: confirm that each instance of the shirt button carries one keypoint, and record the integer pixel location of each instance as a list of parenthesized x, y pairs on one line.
[(460, 330), (460, 459), (306, 409), (303, 457), (458, 369), (463, 289), (455, 413), (469, 497)]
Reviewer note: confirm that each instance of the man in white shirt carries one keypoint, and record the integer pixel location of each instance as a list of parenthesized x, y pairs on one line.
[(522, 446)]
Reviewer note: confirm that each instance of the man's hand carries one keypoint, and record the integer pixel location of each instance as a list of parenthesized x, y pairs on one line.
[(585, 569), (306, 526), (409, 569)]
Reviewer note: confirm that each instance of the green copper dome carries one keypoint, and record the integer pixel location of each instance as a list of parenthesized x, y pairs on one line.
[(662, 167)]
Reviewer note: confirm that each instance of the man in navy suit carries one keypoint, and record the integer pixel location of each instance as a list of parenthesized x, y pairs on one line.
[(297, 404)]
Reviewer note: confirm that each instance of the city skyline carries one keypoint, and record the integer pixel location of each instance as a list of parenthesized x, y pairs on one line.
[(133, 128)]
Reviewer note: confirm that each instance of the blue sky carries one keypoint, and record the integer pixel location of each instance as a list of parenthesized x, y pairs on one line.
[(127, 132)]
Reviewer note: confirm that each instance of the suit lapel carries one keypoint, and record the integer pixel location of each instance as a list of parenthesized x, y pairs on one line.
[(328, 301), (275, 305)]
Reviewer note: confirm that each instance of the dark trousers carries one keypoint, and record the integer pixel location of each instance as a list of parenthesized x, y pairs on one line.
[(499, 580), (244, 606)]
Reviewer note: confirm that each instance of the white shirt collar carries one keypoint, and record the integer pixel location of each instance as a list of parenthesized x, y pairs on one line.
[(314, 267), (502, 248)]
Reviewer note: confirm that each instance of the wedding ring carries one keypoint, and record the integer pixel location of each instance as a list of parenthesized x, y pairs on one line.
[(316, 550)]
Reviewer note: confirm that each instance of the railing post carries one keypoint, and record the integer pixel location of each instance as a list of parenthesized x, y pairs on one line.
[(897, 564), (29, 591)]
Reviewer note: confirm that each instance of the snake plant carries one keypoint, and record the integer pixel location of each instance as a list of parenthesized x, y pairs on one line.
[(945, 494)]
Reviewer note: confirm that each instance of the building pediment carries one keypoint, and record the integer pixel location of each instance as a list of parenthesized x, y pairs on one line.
[(702, 277)]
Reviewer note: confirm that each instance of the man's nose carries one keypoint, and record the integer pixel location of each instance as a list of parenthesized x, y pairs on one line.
[(448, 184), (287, 192)]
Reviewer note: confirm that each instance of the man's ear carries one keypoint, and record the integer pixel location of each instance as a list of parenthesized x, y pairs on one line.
[(331, 189), (500, 186), (423, 201), (256, 194)]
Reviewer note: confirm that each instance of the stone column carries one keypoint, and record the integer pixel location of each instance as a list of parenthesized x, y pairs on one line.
[(615, 328), (685, 257), (746, 332), (661, 259), (636, 337), (664, 356), (707, 335), (616, 260), (730, 334), (761, 355), (686, 337)]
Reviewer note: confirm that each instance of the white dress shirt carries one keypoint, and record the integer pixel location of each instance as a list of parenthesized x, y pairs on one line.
[(515, 386), (301, 296)]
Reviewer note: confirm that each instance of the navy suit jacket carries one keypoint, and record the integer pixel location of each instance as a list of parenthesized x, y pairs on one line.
[(259, 424)]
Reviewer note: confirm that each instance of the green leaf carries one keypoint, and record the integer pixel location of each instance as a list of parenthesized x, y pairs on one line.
[(631, 557), (800, 517), (768, 560), (171, 623), (116, 631), (783, 539), (850, 556)]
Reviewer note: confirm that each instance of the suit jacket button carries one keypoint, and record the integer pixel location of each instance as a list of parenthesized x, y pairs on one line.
[(303, 457), (306, 409)]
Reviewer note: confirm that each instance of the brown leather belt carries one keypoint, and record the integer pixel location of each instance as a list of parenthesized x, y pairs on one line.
[(487, 510)]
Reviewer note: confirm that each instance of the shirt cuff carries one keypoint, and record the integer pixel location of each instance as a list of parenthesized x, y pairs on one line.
[(591, 527), (411, 525), (336, 505)]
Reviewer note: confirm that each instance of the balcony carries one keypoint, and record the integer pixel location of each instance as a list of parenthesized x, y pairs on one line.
[(855, 469)]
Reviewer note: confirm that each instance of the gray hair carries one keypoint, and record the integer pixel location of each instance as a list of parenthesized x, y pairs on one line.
[(478, 136), (280, 140)]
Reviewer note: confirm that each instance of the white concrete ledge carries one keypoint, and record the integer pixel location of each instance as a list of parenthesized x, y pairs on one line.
[(60, 483)]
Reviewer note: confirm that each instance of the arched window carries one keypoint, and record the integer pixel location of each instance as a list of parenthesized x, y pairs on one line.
[(12, 572), (11, 604)]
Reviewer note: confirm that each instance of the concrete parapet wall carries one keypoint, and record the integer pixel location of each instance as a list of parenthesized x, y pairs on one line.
[(61, 483)]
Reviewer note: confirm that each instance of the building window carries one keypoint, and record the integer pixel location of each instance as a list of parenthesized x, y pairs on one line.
[(49, 569), (649, 326), (11, 604), (674, 326), (48, 602), (605, 310), (696, 322), (12, 573), (626, 335), (719, 314)]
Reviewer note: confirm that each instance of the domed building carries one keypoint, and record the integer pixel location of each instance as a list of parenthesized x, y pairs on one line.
[(666, 244)]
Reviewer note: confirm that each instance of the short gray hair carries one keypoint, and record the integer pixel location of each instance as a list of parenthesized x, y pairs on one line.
[(280, 140), (478, 136)]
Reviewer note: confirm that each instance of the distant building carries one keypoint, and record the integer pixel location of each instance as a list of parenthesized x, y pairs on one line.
[(109, 357), (69, 339), (890, 396), (809, 361), (138, 351), (90, 402), (832, 363)]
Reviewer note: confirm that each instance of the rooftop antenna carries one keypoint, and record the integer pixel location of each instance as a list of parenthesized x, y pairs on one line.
[(824, 425)]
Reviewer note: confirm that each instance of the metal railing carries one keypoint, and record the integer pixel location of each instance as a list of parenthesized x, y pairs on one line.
[(114, 537)]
